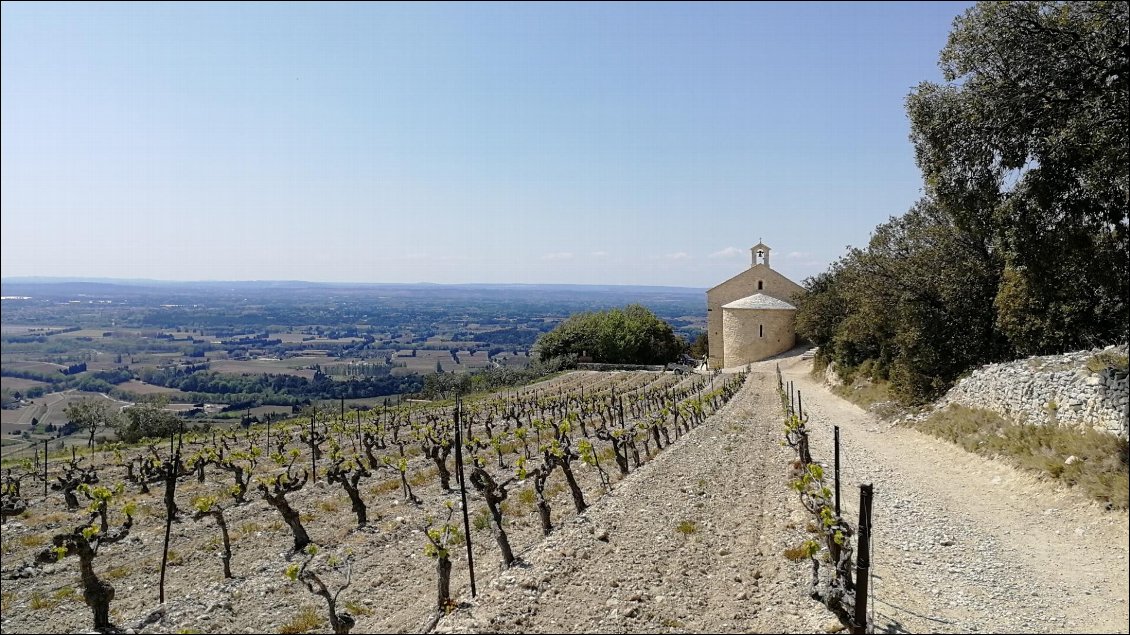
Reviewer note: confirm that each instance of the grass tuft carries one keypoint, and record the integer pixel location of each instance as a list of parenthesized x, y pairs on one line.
[(305, 621), (32, 540)]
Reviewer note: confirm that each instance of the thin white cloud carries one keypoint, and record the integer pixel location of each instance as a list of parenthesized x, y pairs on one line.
[(729, 252), (558, 255), (678, 255), (599, 254), (797, 255)]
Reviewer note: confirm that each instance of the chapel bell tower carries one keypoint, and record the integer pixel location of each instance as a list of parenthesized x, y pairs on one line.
[(759, 254)]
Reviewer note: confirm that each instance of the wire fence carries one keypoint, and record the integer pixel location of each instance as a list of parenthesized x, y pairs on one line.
[(843, 591)]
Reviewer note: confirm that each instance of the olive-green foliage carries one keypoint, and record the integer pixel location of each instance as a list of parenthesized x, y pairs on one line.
[(92, 414), (914, 307), (1099, 467), (632, 335), (148, 419), (1027, 144), (1019, 245)]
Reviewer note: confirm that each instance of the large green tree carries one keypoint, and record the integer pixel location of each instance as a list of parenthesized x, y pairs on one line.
[(1026, 144), (1019, 245), (632, 335), (148, 419)]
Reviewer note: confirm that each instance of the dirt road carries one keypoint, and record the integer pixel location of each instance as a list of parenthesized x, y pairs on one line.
[(966, 543)]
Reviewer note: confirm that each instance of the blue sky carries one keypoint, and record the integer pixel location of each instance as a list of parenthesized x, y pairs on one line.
[(529, 143)]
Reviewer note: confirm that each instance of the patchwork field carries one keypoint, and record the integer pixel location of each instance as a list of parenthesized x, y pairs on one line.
[(18, 383)]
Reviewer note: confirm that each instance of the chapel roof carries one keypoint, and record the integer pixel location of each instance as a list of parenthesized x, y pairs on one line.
[(759, 301)]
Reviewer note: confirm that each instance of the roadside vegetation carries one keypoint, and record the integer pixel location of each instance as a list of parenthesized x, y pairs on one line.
[(1092, 461), (1018, 246)]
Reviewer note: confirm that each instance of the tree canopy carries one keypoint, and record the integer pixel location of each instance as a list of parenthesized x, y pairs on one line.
[(91, 413), (148, 419), (632, 335), (1019, 246)]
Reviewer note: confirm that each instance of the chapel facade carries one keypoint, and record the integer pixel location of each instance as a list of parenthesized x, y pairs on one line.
[(751, 316)]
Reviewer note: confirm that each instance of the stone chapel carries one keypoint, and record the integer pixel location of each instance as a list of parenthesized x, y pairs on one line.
[(751, 317)]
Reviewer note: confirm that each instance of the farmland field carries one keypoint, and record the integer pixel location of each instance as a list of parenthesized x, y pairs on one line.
[(18, 383), (291, 366), (141, 388)]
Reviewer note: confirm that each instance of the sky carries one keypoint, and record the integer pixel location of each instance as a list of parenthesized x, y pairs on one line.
[(645, 144)]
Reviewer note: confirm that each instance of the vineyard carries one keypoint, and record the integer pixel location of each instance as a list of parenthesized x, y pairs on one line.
[(332, 521)]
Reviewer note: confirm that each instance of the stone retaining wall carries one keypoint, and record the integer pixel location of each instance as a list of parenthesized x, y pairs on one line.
[(1053, 389)]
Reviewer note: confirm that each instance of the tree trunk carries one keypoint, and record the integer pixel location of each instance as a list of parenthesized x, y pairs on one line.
[(227, 542), (543, 514), (444, 474), (301, 539), (98, 594), (443, 589), (500, 533), (358, 505), (578, 496)]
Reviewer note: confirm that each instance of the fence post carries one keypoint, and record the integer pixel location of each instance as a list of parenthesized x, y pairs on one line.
[(45, 468), (463, 488), (313, 457), (863, 559), (836, 433)]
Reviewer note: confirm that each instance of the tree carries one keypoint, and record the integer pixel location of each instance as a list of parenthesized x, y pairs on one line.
[(1027, 145), (1019, 244), (700, 347), (92, 414), (147, 420), (632, 335)]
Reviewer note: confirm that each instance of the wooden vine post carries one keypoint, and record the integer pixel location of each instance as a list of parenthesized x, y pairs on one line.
[(863, 560)]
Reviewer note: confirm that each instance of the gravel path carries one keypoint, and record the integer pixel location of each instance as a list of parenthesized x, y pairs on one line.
[(967, 544)]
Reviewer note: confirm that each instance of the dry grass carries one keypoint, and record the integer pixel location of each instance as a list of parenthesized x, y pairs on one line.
[(305, 621), (32, 540), (1108, 359), (175, 559), (423, 476), (865, 392), (117, 573), (385, 487), (1099, 468), (40, 601), (527, 496), (357, 609), (481, 519)]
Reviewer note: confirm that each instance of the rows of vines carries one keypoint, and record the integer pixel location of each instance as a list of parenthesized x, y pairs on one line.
[(559, 445)]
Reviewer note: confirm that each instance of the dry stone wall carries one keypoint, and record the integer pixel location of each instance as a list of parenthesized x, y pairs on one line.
[(1051, 390)]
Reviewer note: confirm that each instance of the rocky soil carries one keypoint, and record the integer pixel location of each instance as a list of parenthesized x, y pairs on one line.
[(625, 567), (691, 542)]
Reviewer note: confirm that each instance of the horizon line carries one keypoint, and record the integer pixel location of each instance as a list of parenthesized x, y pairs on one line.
[(99, 279)]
